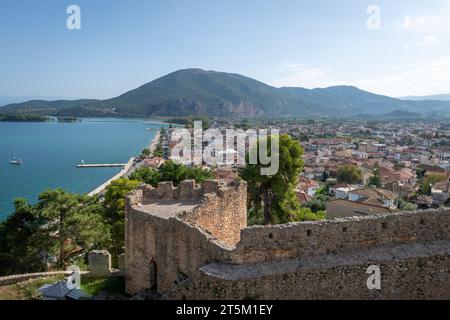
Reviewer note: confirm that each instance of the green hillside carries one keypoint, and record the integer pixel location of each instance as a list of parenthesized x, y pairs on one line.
[(219, 94)]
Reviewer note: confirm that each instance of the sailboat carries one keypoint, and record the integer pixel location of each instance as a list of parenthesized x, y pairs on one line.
[(15, 161)]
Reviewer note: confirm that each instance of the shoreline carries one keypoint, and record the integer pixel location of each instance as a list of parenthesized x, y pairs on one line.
[(102, 188), (86, 186), (127, 170), (154, 143)]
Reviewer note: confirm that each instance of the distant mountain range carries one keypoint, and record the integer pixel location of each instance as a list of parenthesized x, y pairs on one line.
[(444, 97), (218, 94), (10, 99)]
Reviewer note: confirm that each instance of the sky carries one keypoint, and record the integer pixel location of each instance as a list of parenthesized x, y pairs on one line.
[(400, 48)]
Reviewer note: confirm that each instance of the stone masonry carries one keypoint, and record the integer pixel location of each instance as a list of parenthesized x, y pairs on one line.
[(192, 242), (100, 263)]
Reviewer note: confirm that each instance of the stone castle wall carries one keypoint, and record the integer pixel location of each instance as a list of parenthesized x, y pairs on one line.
[(180, 245), (266, 243), (208, 253), (405, 274), (221, 211)]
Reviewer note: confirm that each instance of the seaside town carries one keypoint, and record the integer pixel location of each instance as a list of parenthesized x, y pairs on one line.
[(351, 173), (357, 168), (222, 151)]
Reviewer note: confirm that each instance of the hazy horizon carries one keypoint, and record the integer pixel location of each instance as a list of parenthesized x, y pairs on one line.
[(121, 46), (5, 100)]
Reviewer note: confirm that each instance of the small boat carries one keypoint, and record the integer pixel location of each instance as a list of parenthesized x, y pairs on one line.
[(15, 161)]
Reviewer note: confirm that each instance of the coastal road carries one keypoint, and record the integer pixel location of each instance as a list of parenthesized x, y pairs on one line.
[(135, 166), (132, 168)]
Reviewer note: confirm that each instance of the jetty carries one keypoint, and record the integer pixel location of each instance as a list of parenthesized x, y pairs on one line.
[(127, 168), (102, 165)]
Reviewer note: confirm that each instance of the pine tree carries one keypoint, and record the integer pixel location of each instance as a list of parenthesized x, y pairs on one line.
[(273, 196)]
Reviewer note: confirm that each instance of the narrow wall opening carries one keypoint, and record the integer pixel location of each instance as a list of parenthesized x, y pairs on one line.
[(153, 276)]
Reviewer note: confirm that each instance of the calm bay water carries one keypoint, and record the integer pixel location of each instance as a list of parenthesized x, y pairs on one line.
[(50, 152)]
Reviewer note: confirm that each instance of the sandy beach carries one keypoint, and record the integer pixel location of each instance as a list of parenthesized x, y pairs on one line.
[(154, 142)]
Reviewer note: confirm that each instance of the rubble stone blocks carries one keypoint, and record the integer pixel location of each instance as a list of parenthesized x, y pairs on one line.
[(100, 263), (165, 190), (187, 190)]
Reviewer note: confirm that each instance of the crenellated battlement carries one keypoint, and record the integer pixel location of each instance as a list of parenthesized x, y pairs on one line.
[(188, 190), (187, 225), (200, 232)]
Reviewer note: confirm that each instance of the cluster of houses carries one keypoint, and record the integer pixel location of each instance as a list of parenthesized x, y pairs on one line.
[(403, 154), (402, 157)]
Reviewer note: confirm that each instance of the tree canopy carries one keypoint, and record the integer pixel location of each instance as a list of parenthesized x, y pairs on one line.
[(114, 204), (349, 174), (60, 226), (374, 179), (272, 198), (430, 180), (171, 171), (18, 253)]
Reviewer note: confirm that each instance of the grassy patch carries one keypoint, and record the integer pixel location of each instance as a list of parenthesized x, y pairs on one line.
[(26, 290), (29, 289), (112, 285)]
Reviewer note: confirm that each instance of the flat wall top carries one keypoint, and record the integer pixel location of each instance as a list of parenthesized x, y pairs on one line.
[(379, 255), (166, 209), (264, 243)]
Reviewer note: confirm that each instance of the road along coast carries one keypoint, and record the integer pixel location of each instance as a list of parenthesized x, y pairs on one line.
[(128, 169)]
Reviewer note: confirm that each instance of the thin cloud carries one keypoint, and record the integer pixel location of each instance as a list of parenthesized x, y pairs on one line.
[(424, 79), (425, 30), (420, 79), (438, 23), (413, 23), (302, 75), (428, 41)]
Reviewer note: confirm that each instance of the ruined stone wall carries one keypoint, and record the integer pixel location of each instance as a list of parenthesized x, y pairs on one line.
[(329, 260), (12, 279), (178, 249), (223, 213), (222, 209), (415, 277), (179, 246), (100, 263), (202, 254), (266, 243), (188, 190)]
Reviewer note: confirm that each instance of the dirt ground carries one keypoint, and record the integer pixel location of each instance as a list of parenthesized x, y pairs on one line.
[(11, 292)]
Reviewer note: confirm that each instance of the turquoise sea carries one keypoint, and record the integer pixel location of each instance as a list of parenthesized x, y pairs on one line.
[(50, 152)]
